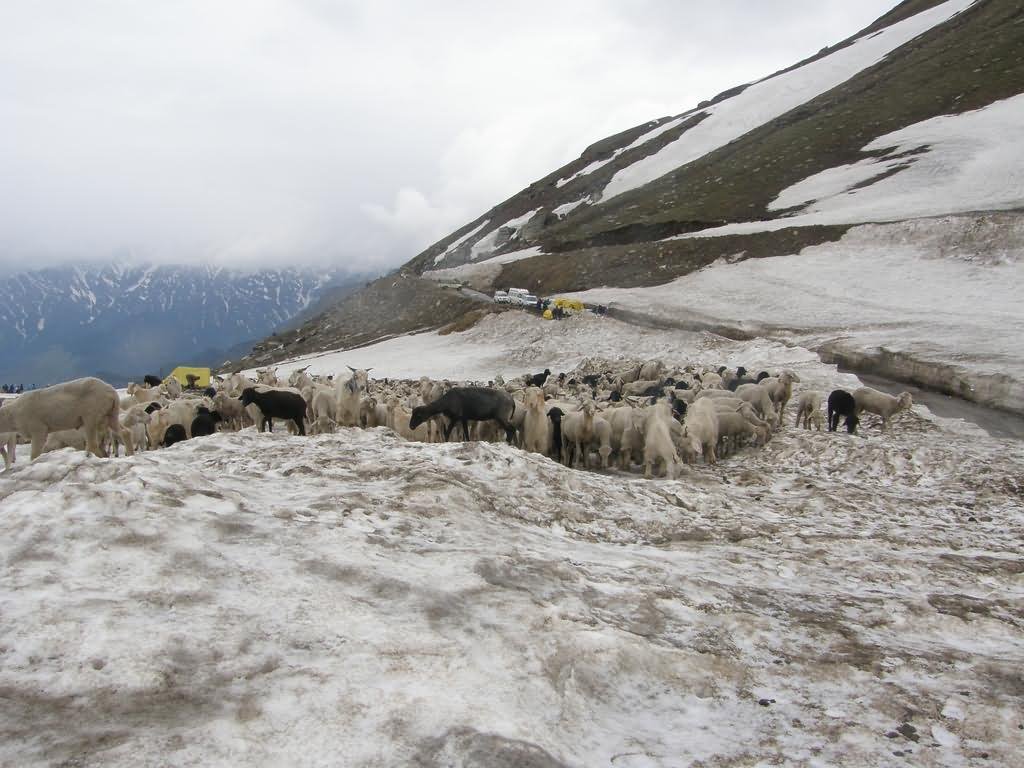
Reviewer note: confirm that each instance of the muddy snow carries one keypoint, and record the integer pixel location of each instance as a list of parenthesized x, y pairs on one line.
[(353, 599)]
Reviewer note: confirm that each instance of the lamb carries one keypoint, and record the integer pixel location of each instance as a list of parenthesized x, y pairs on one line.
[(536, 437), (88, 403), (841, 403), (277, 404), (465, 404), (658, 443), (324, 405), (881, 404), (701, 428), (808, 409), (173, 388), (132, 433), (65, 438), (324, 425), (400, 420)]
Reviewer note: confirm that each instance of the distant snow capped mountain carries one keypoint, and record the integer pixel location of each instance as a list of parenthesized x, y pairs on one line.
[(123, 321)]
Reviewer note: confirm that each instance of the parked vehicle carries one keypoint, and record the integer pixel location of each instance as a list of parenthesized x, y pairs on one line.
[(500, 297)]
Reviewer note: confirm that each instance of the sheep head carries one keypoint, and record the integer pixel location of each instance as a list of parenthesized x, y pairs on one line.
[(905, 401)]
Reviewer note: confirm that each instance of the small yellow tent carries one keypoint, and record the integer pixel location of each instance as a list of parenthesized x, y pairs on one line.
[(570, 304), (183, 372)]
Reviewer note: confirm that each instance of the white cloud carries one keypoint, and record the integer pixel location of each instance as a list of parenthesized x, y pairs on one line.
[(321, 130)]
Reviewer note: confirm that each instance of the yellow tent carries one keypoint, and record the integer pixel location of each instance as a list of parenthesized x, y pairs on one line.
[(182, 373), (571, 304)]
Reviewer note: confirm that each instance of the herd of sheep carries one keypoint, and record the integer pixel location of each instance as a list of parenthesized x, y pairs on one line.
[(630, 414)]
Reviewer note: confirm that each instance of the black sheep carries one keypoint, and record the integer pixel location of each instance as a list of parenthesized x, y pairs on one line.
[(762, 375), (174, 434), (556, 414), (277, 404), (210, 392), (841, 403), (153, 407), (466, 404), (205, 422), (152, 380)]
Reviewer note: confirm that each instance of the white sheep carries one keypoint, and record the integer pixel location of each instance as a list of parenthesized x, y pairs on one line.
[(732, 426), (780, 389), (761, 399), (700, 427), (658, 443), (880, 404), (652, 370), (577, 432), (627, 432), (808, 409), (230, 409), (172, 387), (87, 403), (536, 427)]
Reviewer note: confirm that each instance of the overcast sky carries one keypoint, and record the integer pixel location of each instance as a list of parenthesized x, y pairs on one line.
[(268, 131)]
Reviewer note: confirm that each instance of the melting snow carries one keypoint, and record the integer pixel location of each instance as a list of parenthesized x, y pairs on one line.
[(273, 600)]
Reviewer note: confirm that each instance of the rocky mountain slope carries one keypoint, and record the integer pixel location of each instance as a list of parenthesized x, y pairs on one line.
[(915, 118), (128, 320)]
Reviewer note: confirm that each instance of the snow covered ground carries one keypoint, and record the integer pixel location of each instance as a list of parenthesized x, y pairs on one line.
[(355, 600), (943, 291)]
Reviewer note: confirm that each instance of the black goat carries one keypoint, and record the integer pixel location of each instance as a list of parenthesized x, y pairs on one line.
[(556, 414), (739, 381), (466, 404), (841, 403), (210, 392), (152, 380), (174, 434), (205, 422), (762, 375), (277, 404), (153, 407), (538, 379)]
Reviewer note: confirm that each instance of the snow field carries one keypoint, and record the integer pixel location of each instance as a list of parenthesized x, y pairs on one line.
[(267, 600)]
